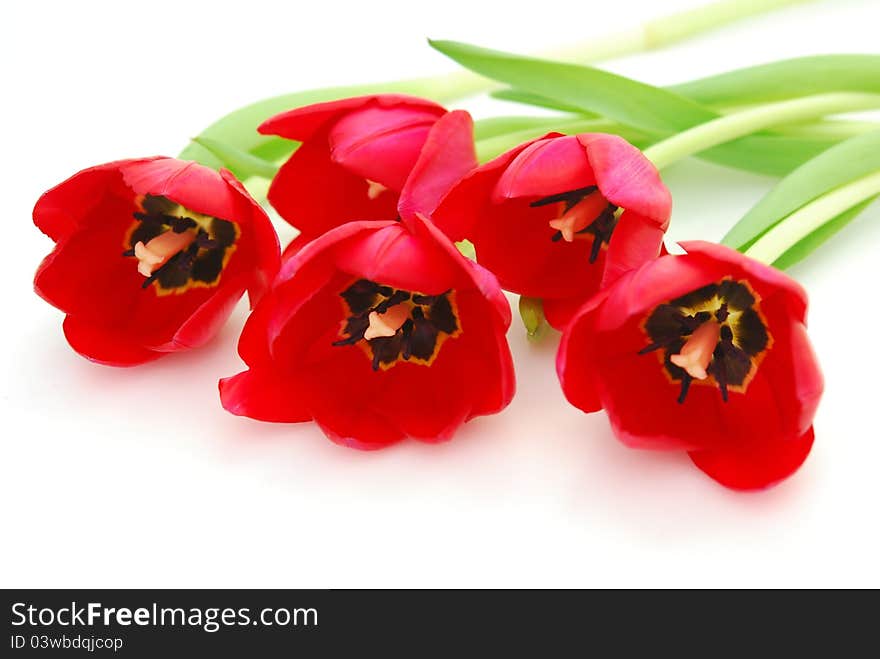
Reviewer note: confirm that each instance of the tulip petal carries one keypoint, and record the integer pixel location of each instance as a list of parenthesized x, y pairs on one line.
[(261, 395), (626, 178), (545, 167), (755, 466), (448, 154), (316, 194), (381, 144), (105, 345), (302, 123)]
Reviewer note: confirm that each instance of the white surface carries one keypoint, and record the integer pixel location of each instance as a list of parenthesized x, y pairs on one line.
[(124, 478)]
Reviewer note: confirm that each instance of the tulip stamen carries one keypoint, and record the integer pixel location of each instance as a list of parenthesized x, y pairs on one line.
[(715, 333), (393, 324), (177, 248), (584, 214)]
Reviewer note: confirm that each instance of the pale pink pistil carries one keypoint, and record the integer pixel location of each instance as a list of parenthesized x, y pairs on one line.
[(156, 252), (697, 351), (387, 324)]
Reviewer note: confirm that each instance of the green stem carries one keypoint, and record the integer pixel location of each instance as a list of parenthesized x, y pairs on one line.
[(807, 219), (729, 127)]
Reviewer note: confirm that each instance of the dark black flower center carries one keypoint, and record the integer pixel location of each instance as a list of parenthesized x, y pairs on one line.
[(584, 213), (393, 324), (178, 248), (715, 333)]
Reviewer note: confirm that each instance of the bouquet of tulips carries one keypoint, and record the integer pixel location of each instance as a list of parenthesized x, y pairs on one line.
[(386, 317)]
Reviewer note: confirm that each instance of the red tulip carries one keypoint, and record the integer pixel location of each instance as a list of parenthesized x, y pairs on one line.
[(541, 215), (151, 256), (379, 330), (355, 157), (705, 352)]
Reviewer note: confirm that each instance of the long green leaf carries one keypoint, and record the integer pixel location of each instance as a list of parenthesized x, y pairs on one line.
[(801, 76), (845, 162), (635, 104), (776, 81)]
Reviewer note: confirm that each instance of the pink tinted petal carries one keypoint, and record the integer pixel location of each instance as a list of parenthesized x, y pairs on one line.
[(545, 167), (395, 257), (447, 156), (190, 184), (626, 178), (381, 144), (756, 466), (795, 295), (636, 240), (303, 122)]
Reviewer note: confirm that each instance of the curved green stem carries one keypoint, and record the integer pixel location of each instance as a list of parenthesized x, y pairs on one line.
[(729, 127), (807, 219)]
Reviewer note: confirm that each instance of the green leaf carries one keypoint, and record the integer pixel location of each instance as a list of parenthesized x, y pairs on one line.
[(528, 98), (805, 247), (616, 97), (841, 164), (655, 111), (241, 163), (777, 81)]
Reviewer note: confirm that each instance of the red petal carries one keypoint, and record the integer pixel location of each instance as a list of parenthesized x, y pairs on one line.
[(381, 144), (261, 395), (302, 123), (545, 167), (515, 242), (469, 200), (315, 194), (207, 319), (626, 178), (757, 466), (766, 279), (70, 204), (396, 257), (105, 346), (258, 238), (447, 155), (575, 359), (190, 184), (636, 240)]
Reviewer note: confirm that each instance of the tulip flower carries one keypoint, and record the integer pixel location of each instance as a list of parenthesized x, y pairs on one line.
[(151, 256), (355, 157), (379, 330), (705, 352), (542, 215)]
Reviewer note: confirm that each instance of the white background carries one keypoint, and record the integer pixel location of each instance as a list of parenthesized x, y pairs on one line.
[(124, 478)]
